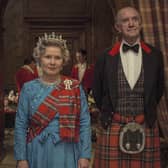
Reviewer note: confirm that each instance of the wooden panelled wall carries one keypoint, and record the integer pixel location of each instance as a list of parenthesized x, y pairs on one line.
[(87, 24), (2, 9), (1, 98)]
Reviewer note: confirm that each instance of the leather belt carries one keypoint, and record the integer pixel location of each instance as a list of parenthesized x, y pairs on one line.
[(125, 119)]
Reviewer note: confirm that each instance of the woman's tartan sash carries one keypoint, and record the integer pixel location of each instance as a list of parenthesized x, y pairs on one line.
[(65, 101)]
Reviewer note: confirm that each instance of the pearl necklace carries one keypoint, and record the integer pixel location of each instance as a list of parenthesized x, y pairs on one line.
[(55, 83)]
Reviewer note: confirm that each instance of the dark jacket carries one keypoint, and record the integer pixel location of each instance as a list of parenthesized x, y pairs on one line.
[(105, 82)]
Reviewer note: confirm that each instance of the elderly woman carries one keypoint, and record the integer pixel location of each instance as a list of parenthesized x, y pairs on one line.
[(52, 128)]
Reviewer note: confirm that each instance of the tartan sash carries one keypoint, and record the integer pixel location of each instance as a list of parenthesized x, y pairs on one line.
[(65, 101)]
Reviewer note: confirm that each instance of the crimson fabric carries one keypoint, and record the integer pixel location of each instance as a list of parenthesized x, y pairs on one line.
[(24, 75), (125, 119), (87, 78), (108, 154), (67, 104)]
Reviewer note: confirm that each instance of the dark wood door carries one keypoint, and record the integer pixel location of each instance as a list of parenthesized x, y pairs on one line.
[(1, 123), (75, 40)]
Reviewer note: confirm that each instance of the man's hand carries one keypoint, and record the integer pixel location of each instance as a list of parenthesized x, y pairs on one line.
[(22, 164), (83, 163)]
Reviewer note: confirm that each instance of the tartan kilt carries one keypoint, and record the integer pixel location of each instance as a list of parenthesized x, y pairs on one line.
[(108, 154)]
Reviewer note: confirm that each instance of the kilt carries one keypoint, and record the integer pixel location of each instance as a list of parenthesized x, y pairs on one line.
[(108, 154)]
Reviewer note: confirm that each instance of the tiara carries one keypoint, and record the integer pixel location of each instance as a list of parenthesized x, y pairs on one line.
[(51, 37)]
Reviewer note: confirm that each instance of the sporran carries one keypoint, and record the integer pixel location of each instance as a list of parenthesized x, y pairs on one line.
[(132, 138)]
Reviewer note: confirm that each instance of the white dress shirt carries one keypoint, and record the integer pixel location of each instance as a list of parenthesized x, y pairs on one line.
[(132, 63), (81, 71)]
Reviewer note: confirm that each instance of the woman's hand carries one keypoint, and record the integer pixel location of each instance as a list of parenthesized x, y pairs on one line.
[(22, 164), (83, 163)]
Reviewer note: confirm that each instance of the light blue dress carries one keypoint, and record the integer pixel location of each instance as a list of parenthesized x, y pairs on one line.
[(47, 150)]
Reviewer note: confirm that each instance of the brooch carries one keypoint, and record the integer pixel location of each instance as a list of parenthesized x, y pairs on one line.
[(67, 84)]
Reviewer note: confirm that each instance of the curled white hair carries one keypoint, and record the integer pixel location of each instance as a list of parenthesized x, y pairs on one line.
[(49, 40)]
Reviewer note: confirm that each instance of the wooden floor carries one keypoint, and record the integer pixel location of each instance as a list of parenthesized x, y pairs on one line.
[(8, 161)]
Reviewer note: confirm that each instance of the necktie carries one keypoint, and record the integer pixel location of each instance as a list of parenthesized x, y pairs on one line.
[(134, 48)]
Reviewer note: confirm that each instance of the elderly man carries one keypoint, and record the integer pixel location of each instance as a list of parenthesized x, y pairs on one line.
[(128, 84)]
